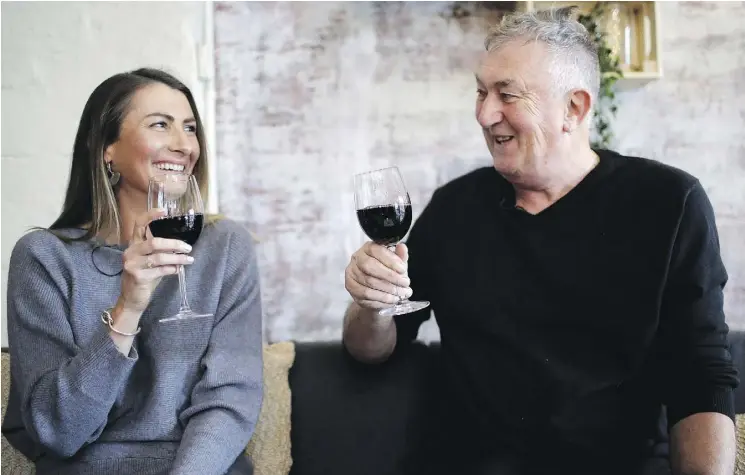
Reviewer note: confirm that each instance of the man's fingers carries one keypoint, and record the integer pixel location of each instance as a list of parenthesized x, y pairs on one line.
[(371, 296), (372, 304), (386, 257), (402, 251), (371, 267), (379, 284)]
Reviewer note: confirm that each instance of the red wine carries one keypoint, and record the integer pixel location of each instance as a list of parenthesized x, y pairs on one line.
[(385, 224), (186, 228)]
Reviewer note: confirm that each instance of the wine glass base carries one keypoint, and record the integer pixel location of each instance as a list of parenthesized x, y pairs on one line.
[(407, 306), (184, 316)]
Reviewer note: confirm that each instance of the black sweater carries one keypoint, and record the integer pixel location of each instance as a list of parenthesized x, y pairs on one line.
[(571, 328)]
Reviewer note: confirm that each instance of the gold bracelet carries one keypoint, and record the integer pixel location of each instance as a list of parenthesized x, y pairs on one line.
[(109, 320)]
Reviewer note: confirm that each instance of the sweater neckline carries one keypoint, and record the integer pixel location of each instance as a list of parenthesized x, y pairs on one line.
[(605, 165)]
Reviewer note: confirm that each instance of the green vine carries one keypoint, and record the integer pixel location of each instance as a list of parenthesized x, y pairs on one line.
[(605, 107)]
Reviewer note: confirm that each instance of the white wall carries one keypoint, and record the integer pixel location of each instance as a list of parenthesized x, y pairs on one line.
[(53, 56)]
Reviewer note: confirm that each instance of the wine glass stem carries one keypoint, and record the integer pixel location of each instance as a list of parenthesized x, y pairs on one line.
[(392, 248), (182, 287)]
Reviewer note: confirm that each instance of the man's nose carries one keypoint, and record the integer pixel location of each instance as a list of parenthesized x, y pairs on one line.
[(490, 113)]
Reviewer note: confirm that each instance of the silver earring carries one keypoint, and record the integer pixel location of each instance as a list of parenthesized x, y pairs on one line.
[(113, 176)]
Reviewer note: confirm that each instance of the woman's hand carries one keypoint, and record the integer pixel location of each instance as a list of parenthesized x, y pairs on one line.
[(146, 261)]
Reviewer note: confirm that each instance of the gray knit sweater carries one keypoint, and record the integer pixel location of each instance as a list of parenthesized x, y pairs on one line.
[(186, 398)]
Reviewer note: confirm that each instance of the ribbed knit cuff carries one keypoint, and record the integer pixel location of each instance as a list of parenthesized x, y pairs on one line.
[(721, 400), (203, 452), (101, 369)]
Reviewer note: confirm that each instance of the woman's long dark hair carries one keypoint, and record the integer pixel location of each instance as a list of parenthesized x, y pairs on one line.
[(90, 201)]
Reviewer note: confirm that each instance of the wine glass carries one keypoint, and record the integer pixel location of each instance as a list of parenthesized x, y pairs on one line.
[(384, 213), (178, 194)]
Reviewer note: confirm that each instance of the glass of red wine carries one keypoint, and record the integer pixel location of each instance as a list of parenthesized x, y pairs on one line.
[(384, 213), (178, 194)]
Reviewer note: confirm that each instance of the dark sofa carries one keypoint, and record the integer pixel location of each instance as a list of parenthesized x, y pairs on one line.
[(350, 418)]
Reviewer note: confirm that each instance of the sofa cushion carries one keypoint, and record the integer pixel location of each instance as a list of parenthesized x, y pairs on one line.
[(270, 447), (354, 418), (13, 462), (740, 455)]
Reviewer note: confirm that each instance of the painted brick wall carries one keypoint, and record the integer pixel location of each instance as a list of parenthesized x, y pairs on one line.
[(311, 93)]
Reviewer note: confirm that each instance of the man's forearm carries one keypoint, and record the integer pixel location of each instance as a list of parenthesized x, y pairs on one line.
[(703, 444), (368, 337)]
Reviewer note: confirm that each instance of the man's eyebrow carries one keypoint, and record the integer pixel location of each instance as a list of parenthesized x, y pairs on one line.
[(500, 83), (503, 83)]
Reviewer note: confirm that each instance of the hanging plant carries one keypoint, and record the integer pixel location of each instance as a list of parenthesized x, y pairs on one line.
[(610, 72)]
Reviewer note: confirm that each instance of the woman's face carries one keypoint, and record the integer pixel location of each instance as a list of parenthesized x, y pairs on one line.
[(159, 132)]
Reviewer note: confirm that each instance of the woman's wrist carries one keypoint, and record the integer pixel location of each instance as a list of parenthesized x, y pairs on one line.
[(125, 319)]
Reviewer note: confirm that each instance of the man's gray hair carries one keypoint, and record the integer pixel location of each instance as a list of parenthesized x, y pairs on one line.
[(575, 56)]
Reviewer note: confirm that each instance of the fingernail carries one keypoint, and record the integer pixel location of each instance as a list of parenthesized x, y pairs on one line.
[(186, 248), (189, 259)]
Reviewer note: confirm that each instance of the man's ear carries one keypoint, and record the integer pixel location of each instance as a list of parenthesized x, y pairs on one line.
[(579, 104)]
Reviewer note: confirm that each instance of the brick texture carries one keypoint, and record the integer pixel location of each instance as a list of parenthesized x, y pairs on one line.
[(311, 93)]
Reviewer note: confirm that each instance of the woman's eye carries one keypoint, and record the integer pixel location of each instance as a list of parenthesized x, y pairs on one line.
[(191, 129), (159, 125)]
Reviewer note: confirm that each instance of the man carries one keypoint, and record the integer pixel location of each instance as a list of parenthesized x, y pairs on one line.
[(577, 291)]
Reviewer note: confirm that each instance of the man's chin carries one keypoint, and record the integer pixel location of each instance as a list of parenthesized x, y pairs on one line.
[(506, 164)]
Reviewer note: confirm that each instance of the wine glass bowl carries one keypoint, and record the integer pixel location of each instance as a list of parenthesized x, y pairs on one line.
[(386, 224)]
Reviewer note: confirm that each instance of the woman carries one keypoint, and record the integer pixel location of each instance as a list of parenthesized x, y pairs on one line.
[(128, 394)]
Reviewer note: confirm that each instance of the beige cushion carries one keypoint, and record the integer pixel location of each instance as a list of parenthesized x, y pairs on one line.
[(269, 447), (13, 462), (740, 460)]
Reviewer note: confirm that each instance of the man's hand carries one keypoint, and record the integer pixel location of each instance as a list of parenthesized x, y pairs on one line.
[(376, 277)]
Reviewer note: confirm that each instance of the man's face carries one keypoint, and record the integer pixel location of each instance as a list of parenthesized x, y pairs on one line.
[(520, 114)]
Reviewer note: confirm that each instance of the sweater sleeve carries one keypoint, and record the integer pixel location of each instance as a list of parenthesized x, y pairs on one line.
[(699, 372), (225, 403), (65, 384)]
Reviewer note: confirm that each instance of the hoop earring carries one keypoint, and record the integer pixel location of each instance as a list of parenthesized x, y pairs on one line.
[(113, 176)]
